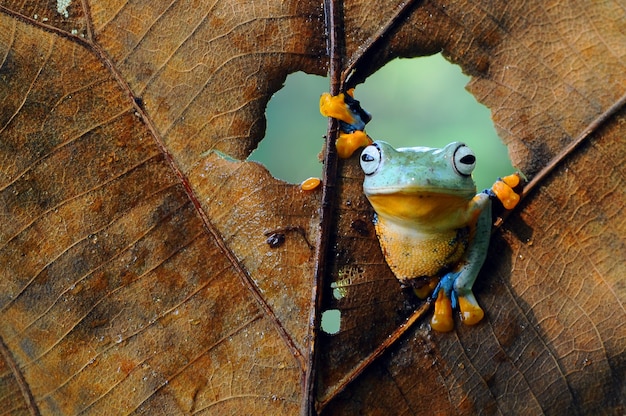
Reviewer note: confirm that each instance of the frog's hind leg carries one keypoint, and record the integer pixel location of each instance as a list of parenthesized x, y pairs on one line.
[(454, 290)]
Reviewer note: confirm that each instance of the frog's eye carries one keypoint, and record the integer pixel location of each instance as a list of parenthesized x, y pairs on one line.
[(464, 160), (370, 159)]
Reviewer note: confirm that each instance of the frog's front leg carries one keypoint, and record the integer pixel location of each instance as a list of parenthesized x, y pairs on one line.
[(455, 288), (352, 120)]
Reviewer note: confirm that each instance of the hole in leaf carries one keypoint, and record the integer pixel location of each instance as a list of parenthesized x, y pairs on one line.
[(331, 321), (423, 102), (414, 102), (295, 129)]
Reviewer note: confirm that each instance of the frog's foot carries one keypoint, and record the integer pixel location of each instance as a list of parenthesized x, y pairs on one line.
[(352, 120), (447, 299), (507, 190)]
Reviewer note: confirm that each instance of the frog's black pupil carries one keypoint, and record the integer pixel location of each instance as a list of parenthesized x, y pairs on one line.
[(367, 158), (468, 159)]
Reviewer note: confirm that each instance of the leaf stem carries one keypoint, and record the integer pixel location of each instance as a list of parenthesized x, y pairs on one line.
[(569, 149), (584, 135), (334, 39), (14, 369)]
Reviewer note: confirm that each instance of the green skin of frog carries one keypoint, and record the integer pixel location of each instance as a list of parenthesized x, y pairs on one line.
[(433, 228)]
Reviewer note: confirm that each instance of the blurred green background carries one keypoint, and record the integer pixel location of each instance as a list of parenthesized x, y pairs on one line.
[(414, 102)]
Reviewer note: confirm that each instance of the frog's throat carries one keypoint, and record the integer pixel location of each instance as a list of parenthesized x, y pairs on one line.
[(423, 210), (412, 253)]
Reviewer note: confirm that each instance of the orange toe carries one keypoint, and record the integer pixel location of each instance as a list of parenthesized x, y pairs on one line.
[(512, 180), (423, 291), (505, 194), (348, 143), (335, 107), (442, 320), (471, 313)]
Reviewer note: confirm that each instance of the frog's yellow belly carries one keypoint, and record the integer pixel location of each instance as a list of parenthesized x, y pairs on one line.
[(412, 254)]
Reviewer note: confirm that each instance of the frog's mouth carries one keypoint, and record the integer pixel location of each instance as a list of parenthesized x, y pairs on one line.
[(413, 189), (422, 207)]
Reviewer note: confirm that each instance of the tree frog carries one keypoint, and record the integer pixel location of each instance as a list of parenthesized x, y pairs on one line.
[(433, 228)]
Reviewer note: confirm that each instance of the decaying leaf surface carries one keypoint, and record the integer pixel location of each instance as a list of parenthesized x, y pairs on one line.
[(135, 271), (118, 293)]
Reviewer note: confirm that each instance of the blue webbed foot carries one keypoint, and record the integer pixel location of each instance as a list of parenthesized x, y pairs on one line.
[(447, 299)]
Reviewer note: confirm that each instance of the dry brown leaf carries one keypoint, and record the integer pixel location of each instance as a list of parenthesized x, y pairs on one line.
[(136, 275)]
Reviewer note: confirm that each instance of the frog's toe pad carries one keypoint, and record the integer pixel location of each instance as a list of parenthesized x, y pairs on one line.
[(504, 190), (471, 312), (424, 287), (347, 143), (442, 320), (335, 107)]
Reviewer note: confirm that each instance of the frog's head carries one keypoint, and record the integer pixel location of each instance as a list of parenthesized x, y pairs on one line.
[(417, 182)]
